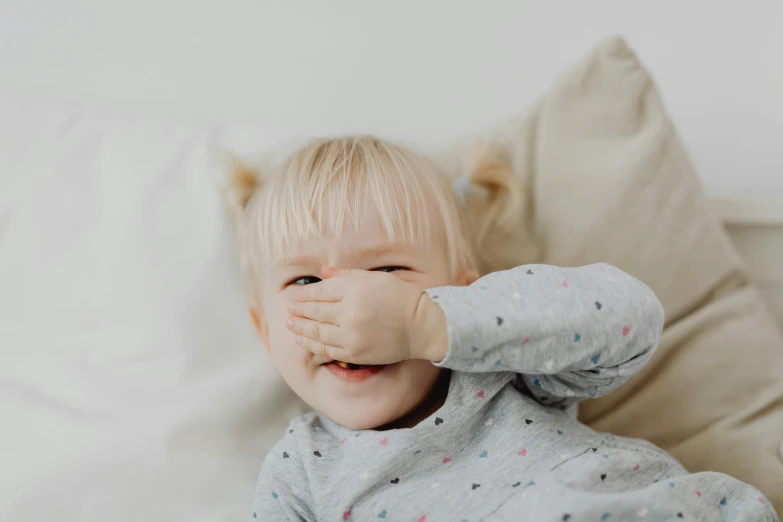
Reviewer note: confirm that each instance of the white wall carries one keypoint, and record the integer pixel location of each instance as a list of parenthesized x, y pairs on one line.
[(421, 70)]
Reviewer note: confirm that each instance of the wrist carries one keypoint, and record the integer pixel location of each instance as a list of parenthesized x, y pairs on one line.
[(429, 332)]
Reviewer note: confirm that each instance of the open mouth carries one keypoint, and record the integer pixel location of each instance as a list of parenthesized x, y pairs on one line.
[(351, 372), (351, 366)]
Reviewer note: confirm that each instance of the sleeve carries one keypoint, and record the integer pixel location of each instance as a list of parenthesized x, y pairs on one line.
[(283, 490), (570, 333)]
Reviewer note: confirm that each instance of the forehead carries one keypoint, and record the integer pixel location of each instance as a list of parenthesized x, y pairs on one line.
[(351, 244), (336, 210)]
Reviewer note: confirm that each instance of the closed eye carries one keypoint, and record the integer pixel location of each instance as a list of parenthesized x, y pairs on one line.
[(309, 280), (389, 268), (306, 280)]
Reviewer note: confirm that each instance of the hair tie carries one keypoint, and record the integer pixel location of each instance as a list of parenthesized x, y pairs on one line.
[(461, 187)]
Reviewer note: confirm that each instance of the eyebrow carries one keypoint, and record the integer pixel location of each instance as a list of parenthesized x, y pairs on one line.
[(369, 252)]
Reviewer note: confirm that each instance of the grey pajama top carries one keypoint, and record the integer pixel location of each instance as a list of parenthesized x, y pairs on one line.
[(525, 346)]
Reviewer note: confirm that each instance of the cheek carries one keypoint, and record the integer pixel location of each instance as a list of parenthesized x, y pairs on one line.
[(435, 272), (424, 370), (287, 356), (421, 377), (432, 279)]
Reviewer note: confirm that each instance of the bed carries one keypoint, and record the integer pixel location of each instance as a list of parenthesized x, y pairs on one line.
[(132, 385)]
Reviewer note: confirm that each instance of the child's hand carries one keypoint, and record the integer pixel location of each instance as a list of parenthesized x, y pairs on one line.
[(365, 317)]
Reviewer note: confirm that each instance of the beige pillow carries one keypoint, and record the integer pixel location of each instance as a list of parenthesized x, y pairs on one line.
[(608, 179)]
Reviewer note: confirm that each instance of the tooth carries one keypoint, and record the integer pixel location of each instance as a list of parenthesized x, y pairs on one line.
[(342, 364)]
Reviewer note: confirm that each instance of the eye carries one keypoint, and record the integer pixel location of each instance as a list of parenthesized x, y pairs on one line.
[(390, 268), (306, 280)]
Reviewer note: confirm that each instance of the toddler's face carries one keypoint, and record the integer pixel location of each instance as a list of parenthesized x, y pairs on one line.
[(355, 399)]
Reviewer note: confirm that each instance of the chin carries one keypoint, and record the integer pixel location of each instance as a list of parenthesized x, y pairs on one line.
[(362, 416)]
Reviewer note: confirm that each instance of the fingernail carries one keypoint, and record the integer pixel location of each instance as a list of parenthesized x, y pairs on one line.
[(299, 340), (289, 322), (292, 308)]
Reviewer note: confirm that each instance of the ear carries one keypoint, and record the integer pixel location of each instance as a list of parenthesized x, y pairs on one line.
[(262, 328)]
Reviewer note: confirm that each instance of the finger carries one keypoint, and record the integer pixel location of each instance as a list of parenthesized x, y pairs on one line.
[(322, 332), (321, 311), (318, 348), (326, 290)]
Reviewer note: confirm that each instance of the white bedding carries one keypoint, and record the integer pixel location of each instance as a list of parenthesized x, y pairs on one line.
[(116, 262), (116, 267)]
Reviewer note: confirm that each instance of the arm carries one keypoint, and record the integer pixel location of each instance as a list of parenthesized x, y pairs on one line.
[(570, 332), (283, 492)]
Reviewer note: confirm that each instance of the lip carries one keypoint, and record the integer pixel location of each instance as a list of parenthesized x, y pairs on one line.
[(354, 375)]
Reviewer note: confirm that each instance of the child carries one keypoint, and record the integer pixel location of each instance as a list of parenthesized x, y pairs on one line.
[(438, 396)]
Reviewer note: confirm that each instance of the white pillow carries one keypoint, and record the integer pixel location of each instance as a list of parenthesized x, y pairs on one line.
[(132, 386), (609, 180)]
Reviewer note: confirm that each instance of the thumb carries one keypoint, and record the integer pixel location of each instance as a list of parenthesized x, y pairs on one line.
[(331, 271)]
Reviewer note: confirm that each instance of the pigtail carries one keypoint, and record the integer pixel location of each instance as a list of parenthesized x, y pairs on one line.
[(498, 213), (239, 187)]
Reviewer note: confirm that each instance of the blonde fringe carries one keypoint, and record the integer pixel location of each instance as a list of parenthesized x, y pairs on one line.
[(326, 185)]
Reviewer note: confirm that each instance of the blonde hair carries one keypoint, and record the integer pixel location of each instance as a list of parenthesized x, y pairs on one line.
[(498, 211), (327, 185)]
